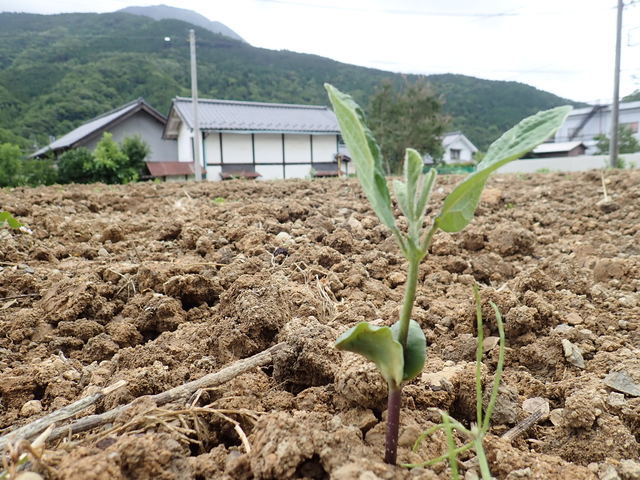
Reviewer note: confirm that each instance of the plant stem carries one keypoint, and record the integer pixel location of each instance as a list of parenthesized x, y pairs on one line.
[(393, 424), (479, 353), (395, 391), (485, 473), (409, 298)]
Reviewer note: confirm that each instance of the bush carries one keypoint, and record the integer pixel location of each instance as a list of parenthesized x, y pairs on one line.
[(10, 158), (136, 150), (110, 163), (36, 171), (75, 166)]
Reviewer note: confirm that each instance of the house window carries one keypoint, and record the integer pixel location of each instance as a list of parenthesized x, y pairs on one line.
[(633, 126), (455, 153)]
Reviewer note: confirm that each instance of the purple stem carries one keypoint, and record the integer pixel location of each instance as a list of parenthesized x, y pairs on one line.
[(393, 425)]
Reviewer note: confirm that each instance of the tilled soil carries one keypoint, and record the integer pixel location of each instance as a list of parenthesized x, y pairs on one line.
[(160, 284)]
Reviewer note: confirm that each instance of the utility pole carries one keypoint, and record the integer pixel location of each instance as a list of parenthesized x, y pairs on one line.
[(194, 98), (615, 107)]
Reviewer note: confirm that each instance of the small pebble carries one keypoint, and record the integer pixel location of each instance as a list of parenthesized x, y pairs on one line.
[(607, 472), (32, 407), (555, 416), (29, 476), (622, 382), (562, 328), (490, 342), (283, 238), (71, 374), (532, 405), (572, 353), (573, 319), (616, 399), (630, 470), (103, 252)]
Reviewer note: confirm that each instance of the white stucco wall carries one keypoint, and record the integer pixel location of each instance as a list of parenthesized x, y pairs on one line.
[(268, 147), (565, 164), (324, 148), (297, 171), (236, 148), (212, 148), (269, 172), (185, 151), (213, 173), (466, 155), (297, 148), (267, 150)]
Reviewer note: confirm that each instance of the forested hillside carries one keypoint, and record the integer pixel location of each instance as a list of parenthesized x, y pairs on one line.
[(57, 71)]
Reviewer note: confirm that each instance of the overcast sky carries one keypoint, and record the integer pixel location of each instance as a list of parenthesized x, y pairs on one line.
[(562, 46)]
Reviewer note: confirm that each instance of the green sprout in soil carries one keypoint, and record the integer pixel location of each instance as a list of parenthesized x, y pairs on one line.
[(477, 432), (399, 351), (6, 217)]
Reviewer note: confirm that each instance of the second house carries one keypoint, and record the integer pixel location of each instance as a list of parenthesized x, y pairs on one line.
[(251, 139)]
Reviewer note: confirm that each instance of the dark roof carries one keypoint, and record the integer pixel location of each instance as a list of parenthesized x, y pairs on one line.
[(99, 124), (228, 115), (167, 169)]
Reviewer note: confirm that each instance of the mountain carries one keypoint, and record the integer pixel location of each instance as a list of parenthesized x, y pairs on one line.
[(162, 12), (58, 71)]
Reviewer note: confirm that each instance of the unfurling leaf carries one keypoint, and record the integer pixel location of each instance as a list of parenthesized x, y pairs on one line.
[(365, 153), (377, 344), (415, 353), (460, 205)]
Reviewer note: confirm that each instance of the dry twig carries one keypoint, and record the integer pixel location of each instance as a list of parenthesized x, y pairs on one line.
[(182, 391), (524, 425), (33, 428)]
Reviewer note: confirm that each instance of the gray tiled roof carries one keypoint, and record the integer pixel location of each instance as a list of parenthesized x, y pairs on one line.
[(221, 115), (74, 136)]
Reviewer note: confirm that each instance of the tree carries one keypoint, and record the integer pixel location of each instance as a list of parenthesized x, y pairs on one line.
[(627, 142), (110, 164), (75, 166), (409, 117), (10, 158), (136, 151)]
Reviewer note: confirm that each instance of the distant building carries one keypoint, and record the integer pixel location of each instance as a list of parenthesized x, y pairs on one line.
[(256, 140), (584, 124), (559, 149), (134, 118), (457, 149)]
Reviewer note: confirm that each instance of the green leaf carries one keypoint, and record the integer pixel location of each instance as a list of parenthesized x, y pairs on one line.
[(460, 205), (400, 189), (415, 354), (365, 153), (428, 180), (378, 345), (12, 222), (413, 166)]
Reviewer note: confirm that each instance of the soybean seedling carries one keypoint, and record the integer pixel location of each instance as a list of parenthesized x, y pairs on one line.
[(477, 432), (399, 351)]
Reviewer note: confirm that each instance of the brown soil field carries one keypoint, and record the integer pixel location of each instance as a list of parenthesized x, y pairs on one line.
[(161, 284)]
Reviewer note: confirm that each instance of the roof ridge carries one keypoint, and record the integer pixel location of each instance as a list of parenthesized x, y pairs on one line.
[(117, 109), (249, 104)]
